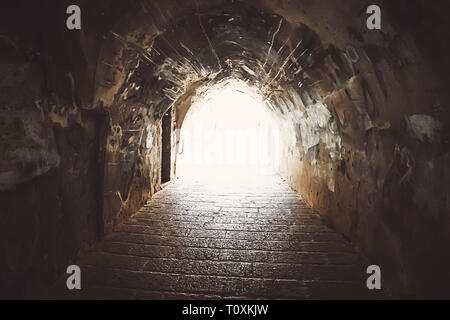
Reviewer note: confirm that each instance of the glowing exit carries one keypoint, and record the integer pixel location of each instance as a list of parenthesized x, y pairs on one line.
[(231, 128)]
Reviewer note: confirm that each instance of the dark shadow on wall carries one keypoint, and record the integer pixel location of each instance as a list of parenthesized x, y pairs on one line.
[(49, 221), (166, 147)]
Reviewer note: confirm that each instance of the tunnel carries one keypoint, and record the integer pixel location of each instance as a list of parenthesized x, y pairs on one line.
[(91, 121)]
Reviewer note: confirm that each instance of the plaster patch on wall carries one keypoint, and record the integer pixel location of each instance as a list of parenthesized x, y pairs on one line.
[(149, 141), (316, 125), (331, 183), (424, 127), (28, 148)]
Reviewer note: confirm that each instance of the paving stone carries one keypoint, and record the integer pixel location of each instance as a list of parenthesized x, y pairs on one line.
[(197, 241)]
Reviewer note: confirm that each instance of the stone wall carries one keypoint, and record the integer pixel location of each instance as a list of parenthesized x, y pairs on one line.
[(49, 174), (69, 169), (374, 163)]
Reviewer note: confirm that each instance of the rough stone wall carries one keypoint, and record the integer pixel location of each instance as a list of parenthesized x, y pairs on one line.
[(383, 180), (54, 150), (49, 170)]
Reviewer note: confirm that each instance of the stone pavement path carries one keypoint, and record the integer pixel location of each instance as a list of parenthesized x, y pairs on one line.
[(253, 239)]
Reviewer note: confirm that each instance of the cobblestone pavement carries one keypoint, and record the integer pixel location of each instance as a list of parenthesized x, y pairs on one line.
[(252, 239)]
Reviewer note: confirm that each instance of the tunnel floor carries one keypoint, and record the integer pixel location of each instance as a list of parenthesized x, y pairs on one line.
[(248, 239)]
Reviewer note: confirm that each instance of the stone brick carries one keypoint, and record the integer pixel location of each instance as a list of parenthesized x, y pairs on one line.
[(181, 246)]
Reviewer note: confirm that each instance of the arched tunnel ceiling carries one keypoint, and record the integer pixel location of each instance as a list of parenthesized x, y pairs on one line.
[(150, 61), (161, 51), (208, 44), (164, 58)]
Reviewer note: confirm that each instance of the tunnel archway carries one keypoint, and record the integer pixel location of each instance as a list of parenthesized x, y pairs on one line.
[(362, 115), (163, 71), (228, 132), (338, 98)]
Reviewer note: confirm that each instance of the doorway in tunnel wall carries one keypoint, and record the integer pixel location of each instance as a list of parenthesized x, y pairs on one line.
[(228, 132), (166, 146), (82, 151)]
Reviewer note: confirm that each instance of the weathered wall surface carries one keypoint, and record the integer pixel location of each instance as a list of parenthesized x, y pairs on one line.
[(69, 168), (374, 162), (49, 173)]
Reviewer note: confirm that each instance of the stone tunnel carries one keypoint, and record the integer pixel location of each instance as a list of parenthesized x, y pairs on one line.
[(90, 121)]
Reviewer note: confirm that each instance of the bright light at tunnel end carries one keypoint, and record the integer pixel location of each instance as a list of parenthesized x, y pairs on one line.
[(228, 132)]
